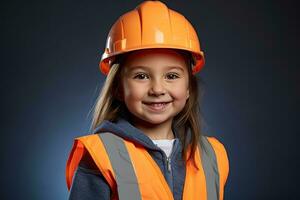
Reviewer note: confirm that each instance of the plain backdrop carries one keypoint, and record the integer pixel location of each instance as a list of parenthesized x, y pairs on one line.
[(50, 80)]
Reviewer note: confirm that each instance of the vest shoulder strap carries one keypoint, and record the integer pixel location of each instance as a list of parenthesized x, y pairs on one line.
[(218, 159), (222, 158), (210, 167), (125, 176)]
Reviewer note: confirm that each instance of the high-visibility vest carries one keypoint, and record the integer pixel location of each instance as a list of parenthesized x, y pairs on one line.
[(132, 174)]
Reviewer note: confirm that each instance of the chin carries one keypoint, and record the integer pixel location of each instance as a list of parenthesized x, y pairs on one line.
[(156, 120)]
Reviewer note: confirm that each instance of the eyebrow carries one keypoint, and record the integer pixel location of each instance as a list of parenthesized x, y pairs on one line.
[(146, 68)]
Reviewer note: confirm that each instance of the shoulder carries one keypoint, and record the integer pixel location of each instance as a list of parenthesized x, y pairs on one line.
[(89, 179), (88, 155), (217, 145), (86, 137), (222, 157)]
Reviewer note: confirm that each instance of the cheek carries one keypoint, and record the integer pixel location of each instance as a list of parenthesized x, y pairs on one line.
[(180, 99), (132, 91), (180, 96), (180, 92)]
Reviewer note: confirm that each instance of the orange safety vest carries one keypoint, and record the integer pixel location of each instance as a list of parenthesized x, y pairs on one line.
[(132, 173)]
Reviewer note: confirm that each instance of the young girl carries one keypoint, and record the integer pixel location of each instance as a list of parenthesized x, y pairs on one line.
[(147, 142)]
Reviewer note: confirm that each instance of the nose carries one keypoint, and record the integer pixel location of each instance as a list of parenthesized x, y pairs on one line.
[(157, 88)]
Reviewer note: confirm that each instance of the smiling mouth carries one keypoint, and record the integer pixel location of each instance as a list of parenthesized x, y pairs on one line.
[(157, 106), (156, 103)]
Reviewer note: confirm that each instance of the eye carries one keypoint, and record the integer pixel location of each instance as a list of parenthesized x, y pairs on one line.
[(140, 76), (172, 76)]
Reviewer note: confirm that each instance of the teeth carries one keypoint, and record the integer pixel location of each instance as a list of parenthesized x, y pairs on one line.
[(157, 104)]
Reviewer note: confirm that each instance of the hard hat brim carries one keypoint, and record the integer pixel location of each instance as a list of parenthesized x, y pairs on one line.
[(107, 59)]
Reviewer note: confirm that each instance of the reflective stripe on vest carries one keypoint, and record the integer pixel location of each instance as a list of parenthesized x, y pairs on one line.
[(210, 166), (121, 163)]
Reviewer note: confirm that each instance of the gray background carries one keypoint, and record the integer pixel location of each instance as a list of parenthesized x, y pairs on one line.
[(50, 79)]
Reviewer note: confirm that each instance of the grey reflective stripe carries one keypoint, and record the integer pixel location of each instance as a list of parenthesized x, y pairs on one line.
[(128, 188), (210, 167)]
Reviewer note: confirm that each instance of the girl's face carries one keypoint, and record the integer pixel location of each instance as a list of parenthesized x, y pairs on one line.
[(155, 84)]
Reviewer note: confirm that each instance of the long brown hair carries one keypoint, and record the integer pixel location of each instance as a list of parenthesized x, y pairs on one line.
[(188, 122)]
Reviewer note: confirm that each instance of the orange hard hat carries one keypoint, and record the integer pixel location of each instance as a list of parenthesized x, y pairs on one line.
[(151, 25)]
